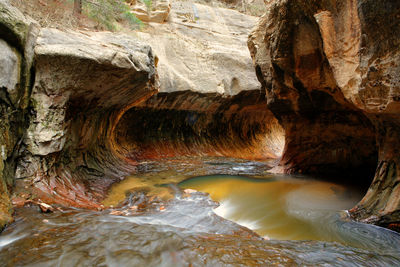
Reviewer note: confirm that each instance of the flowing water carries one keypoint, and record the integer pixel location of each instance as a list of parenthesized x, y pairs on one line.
[(152, 222)]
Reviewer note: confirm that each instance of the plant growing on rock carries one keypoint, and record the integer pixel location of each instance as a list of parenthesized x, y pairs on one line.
[(109, 12), (148, 4)]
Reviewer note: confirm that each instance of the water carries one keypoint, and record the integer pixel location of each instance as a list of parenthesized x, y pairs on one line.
[(159, 225), (277, 207)]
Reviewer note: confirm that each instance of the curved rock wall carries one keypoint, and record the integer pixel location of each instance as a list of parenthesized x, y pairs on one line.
[(83, 83), (189, 123), (330, 72)]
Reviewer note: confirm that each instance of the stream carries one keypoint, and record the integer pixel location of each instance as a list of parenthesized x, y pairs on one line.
[(239, 215)]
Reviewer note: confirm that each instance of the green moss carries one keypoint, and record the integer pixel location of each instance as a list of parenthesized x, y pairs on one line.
[(13, 26)]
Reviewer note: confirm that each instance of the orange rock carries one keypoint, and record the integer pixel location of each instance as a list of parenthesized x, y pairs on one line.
[(189, 191), (19, 202), (45, 207), (116, 212)]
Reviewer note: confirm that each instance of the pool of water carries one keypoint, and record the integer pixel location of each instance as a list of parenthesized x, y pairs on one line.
[(278, 207), (248, 217)]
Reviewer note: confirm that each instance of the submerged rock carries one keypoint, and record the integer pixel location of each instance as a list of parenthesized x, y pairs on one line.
[(330, 72)]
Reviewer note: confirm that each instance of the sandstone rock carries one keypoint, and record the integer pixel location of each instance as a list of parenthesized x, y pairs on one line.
[(329, 72), (117, 213), (83, 82), (10, 67), (158, 13), (84, 67), (203, 49), (210, 101), (14, 26), (17, 35), (189, 123), (46, 208)]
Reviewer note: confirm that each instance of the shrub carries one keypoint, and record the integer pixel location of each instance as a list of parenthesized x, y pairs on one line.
[(108, 12)]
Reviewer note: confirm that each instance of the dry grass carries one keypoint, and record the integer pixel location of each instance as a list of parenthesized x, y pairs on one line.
[(54, 13)]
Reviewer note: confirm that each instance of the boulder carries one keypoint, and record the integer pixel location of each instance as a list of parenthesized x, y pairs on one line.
[(158, 12)]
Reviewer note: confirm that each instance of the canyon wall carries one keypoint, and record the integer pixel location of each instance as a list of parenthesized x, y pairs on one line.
[(17, 35), (330, 70), (83, 82), (203, 49), (188, 123)]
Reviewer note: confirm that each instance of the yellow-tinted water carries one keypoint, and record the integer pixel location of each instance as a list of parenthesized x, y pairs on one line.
[(276, 207)]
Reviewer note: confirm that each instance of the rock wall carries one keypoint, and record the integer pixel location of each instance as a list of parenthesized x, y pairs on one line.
[(203, 49), (330, 72), (83, 83), (17, 35), (189, 123)]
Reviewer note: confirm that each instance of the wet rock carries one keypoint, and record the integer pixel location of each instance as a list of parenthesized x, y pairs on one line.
[(20, 201), (189, 191), (117, 212), (328, 70), (46, 208)]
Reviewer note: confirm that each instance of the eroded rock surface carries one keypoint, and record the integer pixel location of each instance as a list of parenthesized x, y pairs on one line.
[(210, 101), (85, 109), (157, 11), (203, 49), (84, 82), (330, 72), (17, 36), (188, 123)]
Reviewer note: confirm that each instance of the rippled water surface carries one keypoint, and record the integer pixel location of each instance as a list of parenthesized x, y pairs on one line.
[(156, 224)]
